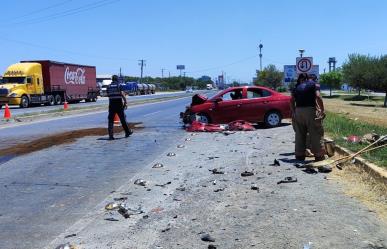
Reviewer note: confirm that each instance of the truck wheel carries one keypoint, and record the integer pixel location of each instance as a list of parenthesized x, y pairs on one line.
[(273, 119), (58, 99), (25, 102), (51, 100)]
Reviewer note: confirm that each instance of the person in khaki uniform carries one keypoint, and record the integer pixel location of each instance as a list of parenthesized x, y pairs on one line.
[(307, 114)]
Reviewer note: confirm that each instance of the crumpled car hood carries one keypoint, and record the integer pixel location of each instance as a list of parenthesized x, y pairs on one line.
[(198, 99)]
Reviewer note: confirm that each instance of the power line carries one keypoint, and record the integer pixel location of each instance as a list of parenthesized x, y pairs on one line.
[(62, 50), (69, 12), (40, 10)]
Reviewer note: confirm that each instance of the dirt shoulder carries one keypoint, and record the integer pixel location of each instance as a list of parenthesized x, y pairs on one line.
[(184, 201)]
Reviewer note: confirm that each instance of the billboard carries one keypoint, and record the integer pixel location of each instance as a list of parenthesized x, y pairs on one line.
[(180, 67)]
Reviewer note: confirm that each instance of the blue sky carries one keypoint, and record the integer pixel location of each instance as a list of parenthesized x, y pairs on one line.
[(207, 36)]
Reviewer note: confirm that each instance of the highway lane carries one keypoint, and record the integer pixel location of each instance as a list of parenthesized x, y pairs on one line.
[(16, 110), (45, 192)]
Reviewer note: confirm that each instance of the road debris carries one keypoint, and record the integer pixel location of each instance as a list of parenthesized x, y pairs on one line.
[(140, 182), (212, 157), (180, 146), (181, 188), (325, 169), (188, 139), (171, 154), (111, 219), (70, 235), (127, 211), (112, 206), (218, 190), (288, 179), (275, 163), (216, 171), (163, 185), (208, 238), (247, 173), (211, 246), (120, 198), (254, 187), (66, 246), (158, 165)]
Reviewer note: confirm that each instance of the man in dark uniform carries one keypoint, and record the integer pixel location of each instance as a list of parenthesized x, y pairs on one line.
[(307, 114), (117, 104)]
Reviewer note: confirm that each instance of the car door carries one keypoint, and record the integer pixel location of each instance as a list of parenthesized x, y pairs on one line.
[(228, 109), (256, 104)]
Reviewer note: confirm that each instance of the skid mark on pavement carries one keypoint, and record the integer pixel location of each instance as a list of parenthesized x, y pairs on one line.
[(57, 139)]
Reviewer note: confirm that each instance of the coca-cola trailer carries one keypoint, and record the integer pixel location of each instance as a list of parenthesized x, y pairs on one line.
[(47, 82)]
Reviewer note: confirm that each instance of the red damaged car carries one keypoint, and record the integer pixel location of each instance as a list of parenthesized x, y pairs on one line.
[(254, 104)]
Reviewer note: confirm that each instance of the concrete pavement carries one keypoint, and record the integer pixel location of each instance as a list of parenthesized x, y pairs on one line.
[(184, 201)]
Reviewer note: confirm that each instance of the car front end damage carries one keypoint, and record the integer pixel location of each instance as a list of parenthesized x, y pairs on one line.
[(188, 116)]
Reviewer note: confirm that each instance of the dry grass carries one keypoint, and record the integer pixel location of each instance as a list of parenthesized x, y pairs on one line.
[(361, 185), (376, 115)]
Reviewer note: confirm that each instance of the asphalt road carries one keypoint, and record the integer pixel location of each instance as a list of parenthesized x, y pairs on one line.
[(16, 110), (43, 193)]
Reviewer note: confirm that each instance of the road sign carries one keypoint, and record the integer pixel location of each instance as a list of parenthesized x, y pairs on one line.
[(304, 64), (290, 73)]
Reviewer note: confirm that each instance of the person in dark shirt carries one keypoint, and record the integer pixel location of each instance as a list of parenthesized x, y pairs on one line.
[(117, 104), (307, 113)]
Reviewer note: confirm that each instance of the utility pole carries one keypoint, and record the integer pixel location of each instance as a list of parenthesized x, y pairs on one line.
[(260, 56), (162, 72), (142, 64)]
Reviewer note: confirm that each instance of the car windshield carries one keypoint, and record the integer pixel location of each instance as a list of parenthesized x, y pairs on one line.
[(14, 80)]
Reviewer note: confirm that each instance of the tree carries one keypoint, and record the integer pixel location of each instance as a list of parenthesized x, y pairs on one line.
[(381, 77), (270, 76), (332, 79), (357, 71)]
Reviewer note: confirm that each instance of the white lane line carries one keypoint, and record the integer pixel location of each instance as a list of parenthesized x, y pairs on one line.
[(149, 114)]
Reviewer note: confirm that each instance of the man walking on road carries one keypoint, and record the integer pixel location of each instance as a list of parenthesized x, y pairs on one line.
[(307, 114), (117, 105)]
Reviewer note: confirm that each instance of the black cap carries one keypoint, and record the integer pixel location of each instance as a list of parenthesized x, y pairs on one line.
[(115, 78)]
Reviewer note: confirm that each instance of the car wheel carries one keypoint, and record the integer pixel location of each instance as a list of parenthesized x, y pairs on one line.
[(58, 99), (273, 119), (202, 118), (25, 102)]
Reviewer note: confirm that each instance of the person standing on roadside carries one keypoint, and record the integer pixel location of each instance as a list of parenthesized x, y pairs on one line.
[(117, 105), (307, 114)]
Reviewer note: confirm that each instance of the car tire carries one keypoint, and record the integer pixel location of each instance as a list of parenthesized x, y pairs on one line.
[(273, 119), (25, 102), (202, 118)]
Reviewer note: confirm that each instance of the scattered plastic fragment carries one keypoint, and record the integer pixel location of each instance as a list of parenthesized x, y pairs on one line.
[(66, 246), (163, 185), (247, 173), (70, 235), (140, 182), (120, 198), (112, 206), (158, 165), (216, 171), (180, 146), (288, 179), (275, 163), (111, 219), (208, 238), (254, 187), (171, 154)]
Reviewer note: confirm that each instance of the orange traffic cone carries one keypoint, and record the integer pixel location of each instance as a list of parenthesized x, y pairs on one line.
[(117, 121), (65, 105), (7, 112)]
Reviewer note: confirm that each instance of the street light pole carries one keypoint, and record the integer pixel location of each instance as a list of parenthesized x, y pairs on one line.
[(260, 56), (301, 52)]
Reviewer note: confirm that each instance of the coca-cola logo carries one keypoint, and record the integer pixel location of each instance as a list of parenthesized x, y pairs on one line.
[(76, 77)]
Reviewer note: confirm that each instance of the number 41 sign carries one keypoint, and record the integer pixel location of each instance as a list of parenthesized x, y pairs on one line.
[(304, 64)]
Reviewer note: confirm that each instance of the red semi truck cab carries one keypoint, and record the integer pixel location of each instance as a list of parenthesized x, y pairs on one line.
[(47, 82)]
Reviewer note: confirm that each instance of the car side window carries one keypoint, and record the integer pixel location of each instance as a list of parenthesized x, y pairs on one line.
[(232, 95), (257, 93)]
